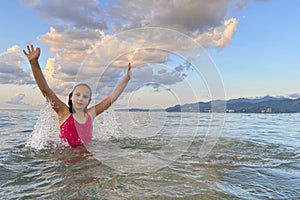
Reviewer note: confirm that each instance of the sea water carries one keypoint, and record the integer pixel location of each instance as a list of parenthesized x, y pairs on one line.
[(256, 156)]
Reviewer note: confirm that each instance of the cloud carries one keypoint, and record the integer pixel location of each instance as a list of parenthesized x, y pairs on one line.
[(204, 20), (18, 99), (78, 13), (71, 43), (225, 38), (84, 44), (12, 56), (10, 68), (194, 18), (218, 37), (182, 15)]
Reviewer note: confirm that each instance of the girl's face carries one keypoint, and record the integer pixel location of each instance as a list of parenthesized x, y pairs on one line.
[(81, 97)]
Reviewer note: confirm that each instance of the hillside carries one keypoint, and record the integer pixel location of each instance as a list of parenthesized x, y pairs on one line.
[(259, 105)]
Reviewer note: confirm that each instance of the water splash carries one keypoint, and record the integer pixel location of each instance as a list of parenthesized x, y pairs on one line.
[(46, 130), (45, 134), (106, 127)]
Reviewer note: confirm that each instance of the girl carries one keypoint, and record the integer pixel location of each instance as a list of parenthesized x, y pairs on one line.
[(76, 121)]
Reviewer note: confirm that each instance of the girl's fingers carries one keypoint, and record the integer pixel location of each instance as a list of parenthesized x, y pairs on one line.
[(25, 53), (129, 66), (32, 48), (28, 48)]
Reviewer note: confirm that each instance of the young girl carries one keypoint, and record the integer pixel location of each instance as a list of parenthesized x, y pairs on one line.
[(76, 121)]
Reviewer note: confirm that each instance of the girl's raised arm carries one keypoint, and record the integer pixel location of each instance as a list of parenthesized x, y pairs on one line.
[(33, 56), (108, 101)]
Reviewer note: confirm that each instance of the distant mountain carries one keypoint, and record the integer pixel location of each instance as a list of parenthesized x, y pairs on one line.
[(256, 100), (265, 104), (139, 110)]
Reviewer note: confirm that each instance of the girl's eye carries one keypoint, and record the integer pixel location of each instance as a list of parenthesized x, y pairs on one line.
[(85, 96)]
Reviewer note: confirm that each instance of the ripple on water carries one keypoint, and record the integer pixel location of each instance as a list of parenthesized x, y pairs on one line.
[(250, 161)]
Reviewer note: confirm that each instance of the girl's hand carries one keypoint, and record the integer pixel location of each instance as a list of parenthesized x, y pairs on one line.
[(32, 54)]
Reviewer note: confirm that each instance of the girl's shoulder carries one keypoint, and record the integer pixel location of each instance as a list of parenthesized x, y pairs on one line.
[(63, 116), (92, 113)]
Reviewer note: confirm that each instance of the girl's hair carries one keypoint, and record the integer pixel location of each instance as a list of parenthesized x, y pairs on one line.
[(70, 103)]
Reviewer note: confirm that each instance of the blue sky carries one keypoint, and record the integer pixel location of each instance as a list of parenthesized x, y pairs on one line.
[(254, 45)]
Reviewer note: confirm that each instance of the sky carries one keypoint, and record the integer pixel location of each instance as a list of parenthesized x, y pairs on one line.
[(181, 51)]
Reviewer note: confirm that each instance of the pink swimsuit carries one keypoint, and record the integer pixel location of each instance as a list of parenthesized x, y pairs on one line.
[(75, 133)]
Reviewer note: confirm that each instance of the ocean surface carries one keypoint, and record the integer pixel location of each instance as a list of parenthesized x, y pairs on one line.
[(153, 155)]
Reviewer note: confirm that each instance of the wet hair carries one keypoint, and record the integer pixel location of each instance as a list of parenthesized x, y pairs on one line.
[(70, 103)]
